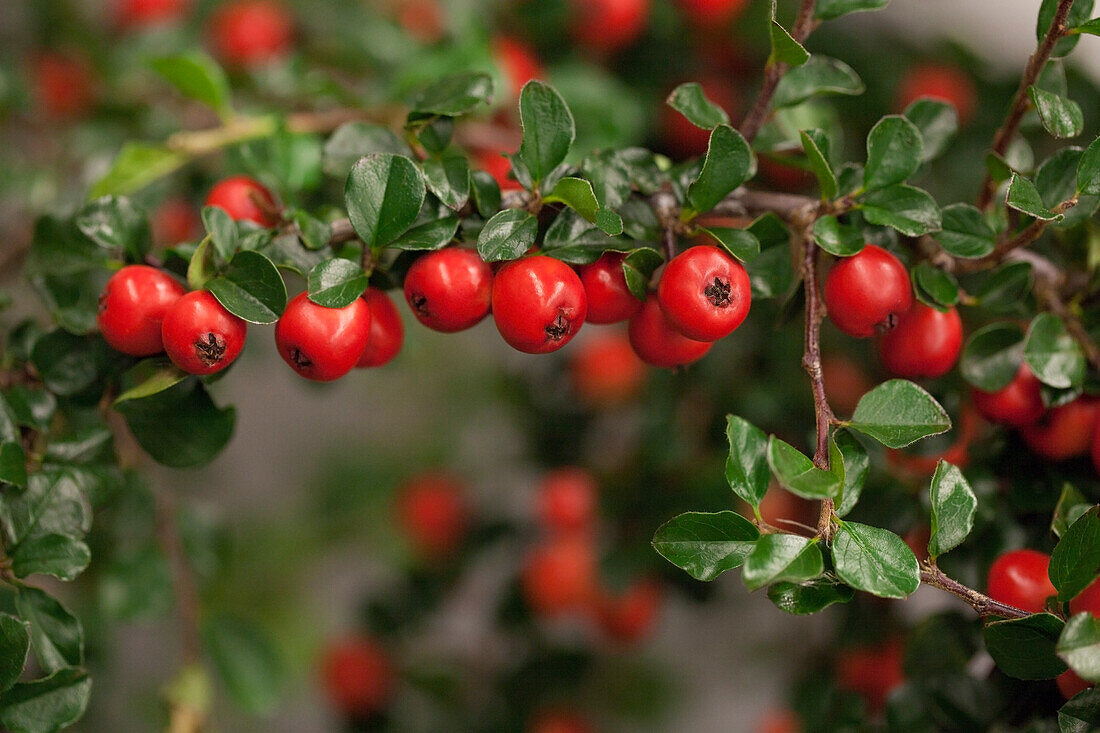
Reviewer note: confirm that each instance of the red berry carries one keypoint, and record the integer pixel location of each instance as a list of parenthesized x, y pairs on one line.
[(358, 676), (423, 19), (387, 332), (867, 293), (705, 13), (449, 290), (605, 370), (609, 299), (538, 304), (245, 198), (1018, 404), (200, 335), (845, 382), (780, 507), (132, 307), (431, 509), (1087, 600), (1063, 432), (945, 83), (1095, 453), (1019, 578), (783, 174), (925, 343), (498, 166), (251, 32), (779, 721), (682, 137), (135, 13), (560, 575), (567, 500), (630, 617), (175, 221), (657, 342), (322, 343), (704, 293), (872, 672), (1069, 684), (560, 722), (608, 25), (64, 86), (517, 62)]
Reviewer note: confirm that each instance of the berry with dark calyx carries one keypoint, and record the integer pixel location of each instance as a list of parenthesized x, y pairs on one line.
[(449, 290), (1018, 404), (250, 33), (559, 576), (609, 25), (631, 616), (133, 305), (517, 62), (925, 343), (866, 294), (358, 676), (432, 511), (872, 672), (705, 293), (609, 299), (322, 343), (658, 343), (245, 198), (200, 335), (1063, 432), (567, 500), (1019, 578), (940, 82), (605, 371), (387, 332), (538, 304)]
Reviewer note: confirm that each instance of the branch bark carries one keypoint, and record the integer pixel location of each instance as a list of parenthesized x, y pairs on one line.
[(982, 604)]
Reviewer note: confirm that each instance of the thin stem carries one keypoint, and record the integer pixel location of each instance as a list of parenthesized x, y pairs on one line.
[(804, 24), (982, 604), (1048, 293), (183, 582), (1028, 235), (1021, 102)]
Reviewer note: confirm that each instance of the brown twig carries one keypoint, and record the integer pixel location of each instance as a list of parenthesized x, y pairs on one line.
[(1021, 102), (1007, 245), (982, 604), (1048, 287), (804, 24)]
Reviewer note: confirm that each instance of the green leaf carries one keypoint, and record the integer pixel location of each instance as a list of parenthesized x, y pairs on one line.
[(353, 140), (738, 242), (61, 556), (848, 458), (55, 633), (435, 234), (894, 152), (819, 75), (548, 129), (1004, 289), (805, 598), (15, 642), (1024, 648), (577, 194), (180, 426), (782, 558), (609, 222), (1088, 170), (965, 232), (383, 196), (911, 211), (48, 704), (706, 545), (200, 268), (1053, 354), (449, 179), (52, 503), (135, 585), (114, 223), (66, 362), (935, 287), (1025, 198), (830, 9), (953, 507), (148, 377), (337, 283), (136, 166), (13, 464), (1075, 562), (691, 101), (1071, 505), (222, 230), (198, 77), (797, 473), (1061, 116), (454, 95), (31, 407), (816, 145), (312, 232), (638, 267), (992, 356), (938, 121), (839, 239), (251, 288), (728, 164), (1082, 713), (486, 193), (507, 235), (1079, 646), (747, 464), (785, 50), (875, 560), (898, 413), (247, 662), (1079, 13)]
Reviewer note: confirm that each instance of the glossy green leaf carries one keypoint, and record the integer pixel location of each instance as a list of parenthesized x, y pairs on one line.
[(198, 77), (135, 167), (548, 129), (115, 223), (251, 288), (1060, 116), (1088, 170), (1079, 646), (148, 377), (507, 235), (449, 179), (1071, 505), (911, 211), (435, 234), (819, 75), (797, 473), (894, 152), (747, 463), (1053, 354), (353, 140), (782, 558), (486, 193), (706, 545), (874, 560), (1081, 714), (1075, 562), (13, 464), (180, 426), (842, 240), (953, 507), (1005, 288), (383, 196), (313, 233), (816, 145), (247, 661), (52, 503), (785, 50), (806, 598), (61, 556), (1025, 648), (728, 164), (848, 459), (965, 232), (638, 267), (691, 101), (830, 9), (222, 229), (454, 95), (56, 635), (66, 363), (935, 287), (46, 705), (1025, 198), (738, 242), (992, 356), (15, 642), (577, 194), (337, 283), (898, 413), (937, 120)]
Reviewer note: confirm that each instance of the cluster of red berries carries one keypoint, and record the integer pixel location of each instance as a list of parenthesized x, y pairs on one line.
[(559, 576)]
